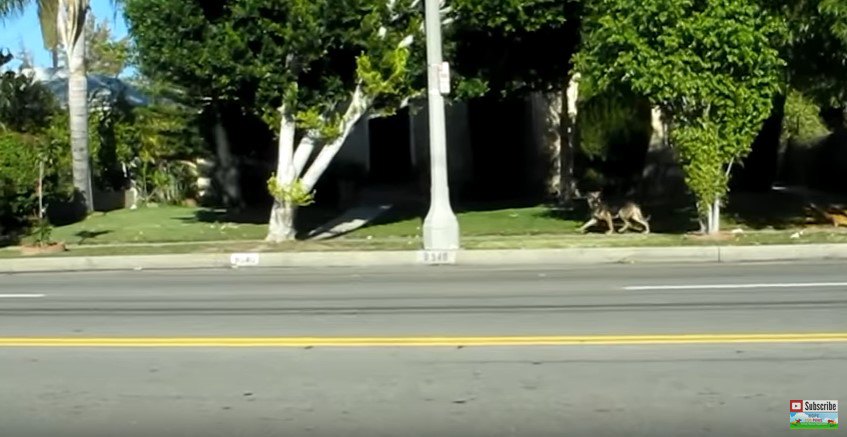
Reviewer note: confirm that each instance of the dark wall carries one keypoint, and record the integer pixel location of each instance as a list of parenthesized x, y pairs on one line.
[(391, 156), (758, 171), (504, 159)]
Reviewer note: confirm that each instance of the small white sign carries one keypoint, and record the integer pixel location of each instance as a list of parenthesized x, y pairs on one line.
[(434, 257), (444, 78), (244, 259)]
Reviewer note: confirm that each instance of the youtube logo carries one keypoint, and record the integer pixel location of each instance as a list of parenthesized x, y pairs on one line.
[(796, 406)]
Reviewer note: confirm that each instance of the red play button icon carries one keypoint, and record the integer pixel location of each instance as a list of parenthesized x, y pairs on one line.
[(796, 407)]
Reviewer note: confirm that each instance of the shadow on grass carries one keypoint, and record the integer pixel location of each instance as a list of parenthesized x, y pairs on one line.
[(9, 240), (394, 215), (777, 210), (308, 218), (89, 235), (483, 206)]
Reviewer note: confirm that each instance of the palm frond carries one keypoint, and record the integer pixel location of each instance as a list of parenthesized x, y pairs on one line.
[(12, 8), (48, 11)]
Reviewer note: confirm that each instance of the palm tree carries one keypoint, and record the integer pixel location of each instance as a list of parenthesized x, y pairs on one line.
[(63, 23)]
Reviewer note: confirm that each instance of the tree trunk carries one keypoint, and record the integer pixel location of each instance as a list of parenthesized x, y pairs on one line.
[(556, 132), (70, 24), (569, 116), (715, 217), (658, 157), (78, 112), (547, 122), (358, 107), (303, 153), (281, 223), (227, 172)]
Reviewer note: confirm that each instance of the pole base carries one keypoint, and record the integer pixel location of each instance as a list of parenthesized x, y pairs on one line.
[(441, 230)]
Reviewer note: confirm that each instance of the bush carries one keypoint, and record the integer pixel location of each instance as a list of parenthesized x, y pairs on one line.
[(20, 155), (30, 134), (18, 177), (150, 146), (613, 136), (167, 142), (803, 122)]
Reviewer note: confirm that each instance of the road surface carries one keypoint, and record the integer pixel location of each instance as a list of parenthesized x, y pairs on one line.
[(632, 350)]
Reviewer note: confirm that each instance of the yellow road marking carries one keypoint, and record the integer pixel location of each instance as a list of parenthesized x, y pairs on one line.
[(281, 342)]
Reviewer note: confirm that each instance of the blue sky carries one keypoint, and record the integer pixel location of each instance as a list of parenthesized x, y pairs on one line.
[(24, 30)]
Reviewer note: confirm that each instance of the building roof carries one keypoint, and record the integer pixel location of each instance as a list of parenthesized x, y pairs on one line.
[(102, 90)]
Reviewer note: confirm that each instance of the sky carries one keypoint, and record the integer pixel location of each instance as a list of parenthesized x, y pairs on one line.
[(15, 31)]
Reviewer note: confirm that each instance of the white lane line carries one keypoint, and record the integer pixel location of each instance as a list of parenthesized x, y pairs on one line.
[(734, 286), (20, 296)]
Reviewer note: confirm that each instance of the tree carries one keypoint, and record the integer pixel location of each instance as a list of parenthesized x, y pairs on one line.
[(512, 48), (69, 17), (314, 68), (103, 54), (817, 49), (712, 67)]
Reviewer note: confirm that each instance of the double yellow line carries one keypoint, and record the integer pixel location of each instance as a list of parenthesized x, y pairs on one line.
[(302, 342)]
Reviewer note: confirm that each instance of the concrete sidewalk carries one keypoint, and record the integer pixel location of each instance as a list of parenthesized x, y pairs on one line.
[(577, 256)]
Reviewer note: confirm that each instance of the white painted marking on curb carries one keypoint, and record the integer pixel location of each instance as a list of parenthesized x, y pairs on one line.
[(733, 286), (244, 259), (436, 257), (20, 296)]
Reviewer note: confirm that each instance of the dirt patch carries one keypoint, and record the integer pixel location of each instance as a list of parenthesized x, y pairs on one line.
[(43, 249)]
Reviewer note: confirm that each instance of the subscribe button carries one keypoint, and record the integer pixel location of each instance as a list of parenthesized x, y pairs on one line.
[(813, 414)]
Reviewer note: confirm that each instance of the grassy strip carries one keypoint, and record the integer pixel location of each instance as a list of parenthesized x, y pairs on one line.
[(543, 241)]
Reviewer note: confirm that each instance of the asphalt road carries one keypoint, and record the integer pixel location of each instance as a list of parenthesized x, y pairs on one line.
[(297, 377)]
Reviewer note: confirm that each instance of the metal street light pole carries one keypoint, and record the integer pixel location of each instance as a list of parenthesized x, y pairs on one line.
[(441, 228)]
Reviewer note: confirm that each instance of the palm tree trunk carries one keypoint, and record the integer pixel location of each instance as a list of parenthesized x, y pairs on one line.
[(78, 111), (70, 24)]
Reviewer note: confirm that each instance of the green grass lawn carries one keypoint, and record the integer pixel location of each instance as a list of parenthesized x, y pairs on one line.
[(182, 224), (505, 222), (155, 225), (160, 228)]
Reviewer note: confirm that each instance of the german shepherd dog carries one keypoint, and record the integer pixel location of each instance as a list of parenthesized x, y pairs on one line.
[(600, 211)]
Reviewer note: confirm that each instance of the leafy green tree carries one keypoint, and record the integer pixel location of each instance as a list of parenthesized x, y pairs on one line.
[(103, 53), (711, 66), (513, 48), (311, 68), (816, 49)]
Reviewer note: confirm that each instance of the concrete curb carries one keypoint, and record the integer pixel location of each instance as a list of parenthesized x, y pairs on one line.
[(576, 256)]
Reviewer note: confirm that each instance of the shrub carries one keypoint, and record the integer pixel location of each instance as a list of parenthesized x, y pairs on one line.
[(803, 122), (151, 146), (18, 178), (613, 136)]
